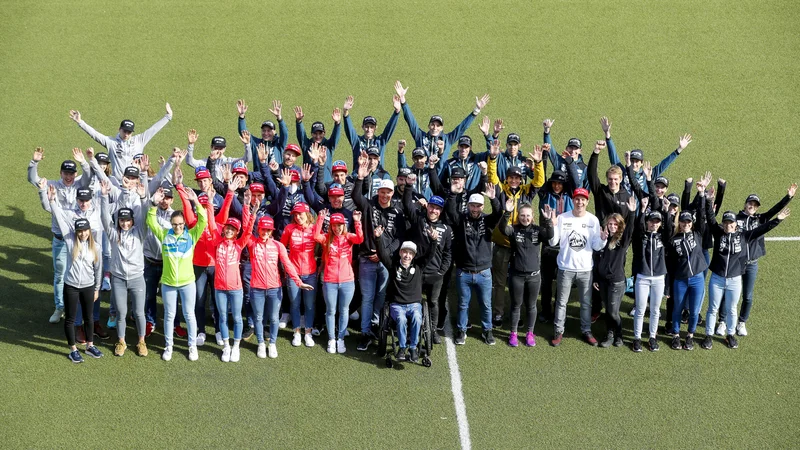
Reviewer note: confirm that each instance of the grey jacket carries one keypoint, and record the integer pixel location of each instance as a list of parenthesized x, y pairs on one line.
[(64, 194), (85, 270), (127, 248)]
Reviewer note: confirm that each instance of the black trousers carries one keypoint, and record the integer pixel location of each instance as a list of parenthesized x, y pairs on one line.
[(524, 288), (72, 296)]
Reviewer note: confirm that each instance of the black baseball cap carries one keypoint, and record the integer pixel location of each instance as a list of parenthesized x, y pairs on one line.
[(268, 124), (637, 154), (418, 152), (168, 192), (103, 158), (82, 224), (465, 140), (686, 216), (374, 151), (750, 198), (654, 215), (317, 126), (370, 120), (131, 171), (69, 166), (219, 141), (404, 172), (512, 137), (674, 199), (514, 170), (437, 119), (558, 176), (458, 172), (126, 125), (574, 142), (662, 180), (84, 194), (729, 216), (125, 213)]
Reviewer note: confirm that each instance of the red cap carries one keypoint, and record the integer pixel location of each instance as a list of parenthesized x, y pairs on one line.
[(266, 223), (295, 176), (202, 199), (257, 188), (339, 166), (293, 148), (580, 192), (337, 219), (234, 223), (202, 173), (241, 170), (300, 208), (335, 192)]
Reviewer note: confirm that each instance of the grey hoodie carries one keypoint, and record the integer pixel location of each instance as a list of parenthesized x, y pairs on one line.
[(64, 194), (85, 270), (127, 249)]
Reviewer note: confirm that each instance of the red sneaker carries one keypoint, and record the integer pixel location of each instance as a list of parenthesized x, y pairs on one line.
[(181, 332), (80, 336), (149, 329), (590, 339), (556, 340)]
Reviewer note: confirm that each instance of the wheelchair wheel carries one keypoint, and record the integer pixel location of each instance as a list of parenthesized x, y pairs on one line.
[(426, 361)]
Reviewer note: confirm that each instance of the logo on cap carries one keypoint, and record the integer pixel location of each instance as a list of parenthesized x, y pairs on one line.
[(125, 213), (465, 140), (127, 125), (458, 172), (300, 208), (317, 126), (373, 151), (268, 124), (257, 188), (131, 172), (662, 180), (580, 192), (370, 119), (339, 166), (403, 172), (753, 198), (69, 166), (293, 148), (436, 119), (335, 191), (654, 215), (574, 142), (673, 199), (84, 194), (266, 223), (513, 137), (637, 154), (201, 172), (386, 184), (437, 201), (418, 152), (82, 224), (337, 218), (729, 216), (514, 170), (102, 158), (686, 216), (218, 141), (476, 198)]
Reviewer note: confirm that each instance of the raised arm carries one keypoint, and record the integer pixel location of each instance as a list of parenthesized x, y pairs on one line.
[(781, 204), (151, 132), (101, 139)]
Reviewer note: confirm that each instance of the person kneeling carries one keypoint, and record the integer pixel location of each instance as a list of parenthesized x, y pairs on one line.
[(404, 290)]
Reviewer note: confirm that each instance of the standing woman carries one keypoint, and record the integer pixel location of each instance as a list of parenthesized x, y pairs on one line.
[(525, 239), (227, 279), (338, 282), (298, 238), (127, 264), (177, 251), (83, 276)]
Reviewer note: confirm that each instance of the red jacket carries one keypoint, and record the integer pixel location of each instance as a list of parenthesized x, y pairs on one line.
[(300, 242), (228, 253), (205, 248), (337, 256), (264, 257)]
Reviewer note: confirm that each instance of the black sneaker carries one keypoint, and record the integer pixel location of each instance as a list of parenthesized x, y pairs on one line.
[(488, 338), (413, 355), (497, 322), (688, 344), (363, 343), (652, 344), (637, 345), (247, 333), (401, 354), (707, 343), (618, 342), (461, 337), (435, 338), (732, 341), (609, 340), (676, 342)]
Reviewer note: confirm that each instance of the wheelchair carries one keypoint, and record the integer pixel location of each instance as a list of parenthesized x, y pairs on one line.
[(387, 328)]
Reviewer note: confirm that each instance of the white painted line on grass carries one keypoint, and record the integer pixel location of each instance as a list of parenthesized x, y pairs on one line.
[(455, 385), (782, 238)]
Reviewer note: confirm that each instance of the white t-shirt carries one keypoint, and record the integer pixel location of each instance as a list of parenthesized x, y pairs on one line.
[(577, 238)]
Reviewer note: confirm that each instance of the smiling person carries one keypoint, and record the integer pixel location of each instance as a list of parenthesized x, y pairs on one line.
[(570, 159), (298, 238), (318, 137), (125, 144), (274, 142), (369, 125)]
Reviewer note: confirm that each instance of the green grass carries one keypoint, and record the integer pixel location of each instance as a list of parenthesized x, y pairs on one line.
[(724, 71)]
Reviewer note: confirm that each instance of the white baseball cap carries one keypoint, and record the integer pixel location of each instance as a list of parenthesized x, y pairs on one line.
[(476, 198), (386, 184), (408, 245)]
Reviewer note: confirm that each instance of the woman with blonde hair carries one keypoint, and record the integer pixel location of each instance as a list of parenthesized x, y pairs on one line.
[(298, 238)]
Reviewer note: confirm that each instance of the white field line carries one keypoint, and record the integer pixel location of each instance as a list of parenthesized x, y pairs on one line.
[(782, 238), (455, 385)]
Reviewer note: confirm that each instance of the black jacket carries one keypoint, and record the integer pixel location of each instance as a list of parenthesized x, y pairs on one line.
[(649, 252), (730, 249), (472, 238), (755, 247), (405, 285), (525, 243), (688, 248), (391, 219), (609, 263), (418, 218), (606, 202)]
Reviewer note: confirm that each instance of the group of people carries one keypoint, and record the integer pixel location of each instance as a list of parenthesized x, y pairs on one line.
[(327, 234)]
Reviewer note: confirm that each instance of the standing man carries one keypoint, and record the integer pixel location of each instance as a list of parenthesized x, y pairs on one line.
[(318, 137), (369, 125), (275, 143), (125, 145), (568, 161)]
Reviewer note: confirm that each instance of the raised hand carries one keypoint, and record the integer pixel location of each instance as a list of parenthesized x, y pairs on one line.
[(227, 173), (401, 145), (484, 126), (785, 212), (348, 104), (169, 109), (241, 107), (161, 161), (192, 195), (314, 152), (632, 204), (298, 113), (324, 213), (480, 103), (484, 167), (710, 192), (89, 153), (77, 154), (707, 178), (274, 166), (411, 179), (144, 163), (336, 115), (490, 191), (363, 168), (401, 91), (494, 148), (378, 231), (422, 202), (42, 184), (684, 141), (38, 154), (648, 170), (234, 185), (362, 157), (51, 193), (177, 176), (215, 154), (323, 155), (440, 144), (547, 124), (433, 234), (140, 189), (277, 107), (307, 173), (604, 233), (547, 212), (245, 137), (510, 205), (536, 155), (432, 160), (792, 190), (75, 115), (159, 195), (605, 124), (599, 145), (286, 177), (396, 103), (645, 201), (498, 126), (192, 136), (247, 197), (627, 158), (356, 216), (262, 152)]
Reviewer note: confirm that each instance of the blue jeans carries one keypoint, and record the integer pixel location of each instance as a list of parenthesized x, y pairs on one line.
[(481, 282), (308, 297), (748, 286), (235, 299), (730, 289), (59, 270), (689, 293), (337, 298), (169, 294), (373, 278), (204, 280), (400, 314), (258, 298)]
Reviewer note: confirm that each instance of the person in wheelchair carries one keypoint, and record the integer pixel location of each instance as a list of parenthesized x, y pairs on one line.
[(404, 289)]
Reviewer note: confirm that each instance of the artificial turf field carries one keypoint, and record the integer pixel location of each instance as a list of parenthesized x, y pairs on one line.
[(724, 71)]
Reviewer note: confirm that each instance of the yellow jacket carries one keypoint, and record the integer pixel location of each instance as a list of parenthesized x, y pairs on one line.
[(525, 194)]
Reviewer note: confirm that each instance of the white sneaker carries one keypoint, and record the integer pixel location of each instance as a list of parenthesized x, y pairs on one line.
[(314, 332), (106, 286), (262, 351), (331, 346), (284, 321), (193, 353), (355, 316), (167, 355), (295, 339), (235, 353), (273, 351), (340, 346), (226, 354), (200, 340), (58, 314), (741, 329), (308, 340), (721, 329), (218, 336)]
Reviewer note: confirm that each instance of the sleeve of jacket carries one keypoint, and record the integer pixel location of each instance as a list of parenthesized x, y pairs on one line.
[(594, 180)]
